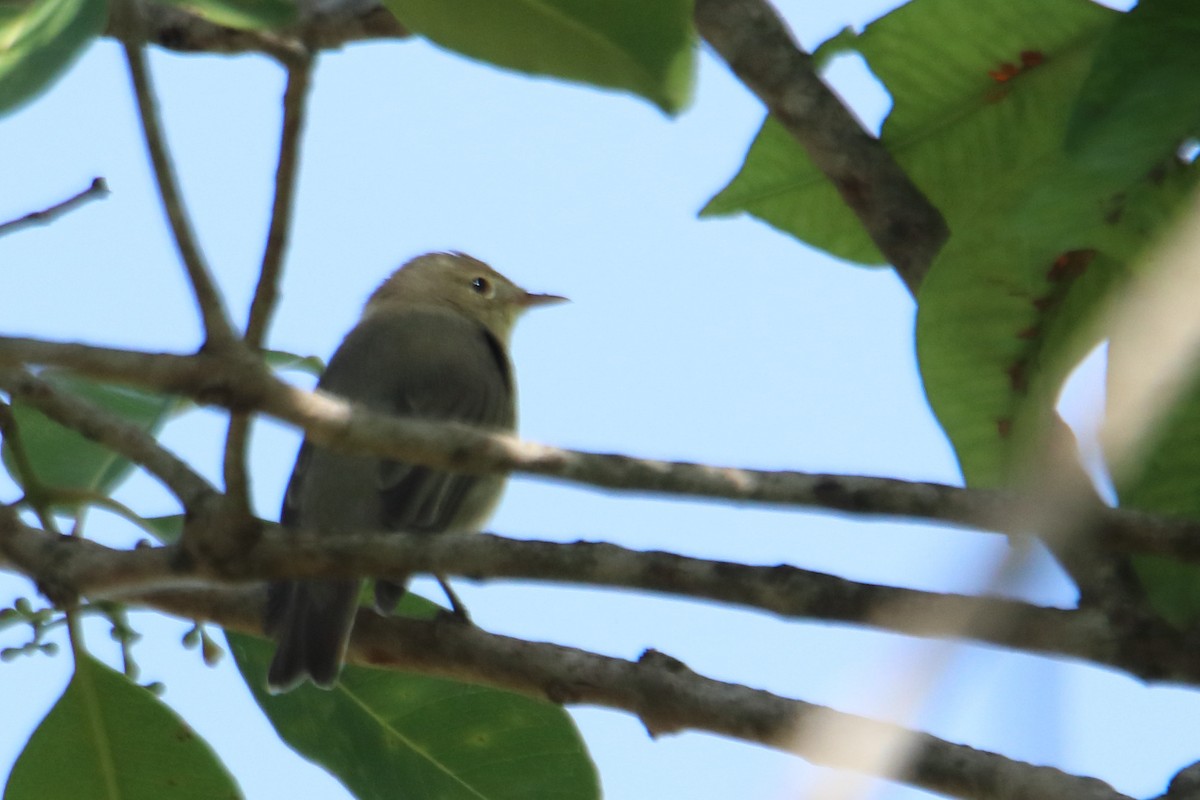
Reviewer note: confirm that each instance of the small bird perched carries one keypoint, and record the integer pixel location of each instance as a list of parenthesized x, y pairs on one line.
[(432, 343)]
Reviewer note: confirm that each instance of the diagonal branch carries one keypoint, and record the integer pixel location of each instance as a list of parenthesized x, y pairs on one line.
[(755, 42), (299, 76), (663, 692), (217, 329), (111, 431)]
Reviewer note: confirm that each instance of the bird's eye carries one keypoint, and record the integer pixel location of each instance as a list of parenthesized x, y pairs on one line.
[(482, 286)]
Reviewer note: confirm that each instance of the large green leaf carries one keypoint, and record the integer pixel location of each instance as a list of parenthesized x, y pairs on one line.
[(39, 40), (1011, 303), (63, 459), (982, 95), (1006, 313), (387, 734), (1168, 482), (642, 47), (1139, 102), (107, 738), (969, 82), (1142, 98), (246, 14)]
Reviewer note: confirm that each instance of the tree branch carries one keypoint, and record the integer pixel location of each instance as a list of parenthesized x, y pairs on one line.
[(240, 381), (663, 692), (111, 431), (747, 34), (176, 29), (88, 569), (98, 190), (217, 329), (299, 76), (755, 42)]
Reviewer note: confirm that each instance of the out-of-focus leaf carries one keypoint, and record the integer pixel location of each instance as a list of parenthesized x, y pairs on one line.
[(278, 359), (243, 14), (1142, 99), (64, 459), (1139, 103), (642, 47), (1012, 304), (1166, 483), (166, 529), (39, 40), (106, 737)]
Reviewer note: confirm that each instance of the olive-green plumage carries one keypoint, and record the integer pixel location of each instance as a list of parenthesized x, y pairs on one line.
[(432, 343)]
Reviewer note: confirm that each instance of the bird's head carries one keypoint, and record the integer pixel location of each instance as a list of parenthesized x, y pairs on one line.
[(457, 282)]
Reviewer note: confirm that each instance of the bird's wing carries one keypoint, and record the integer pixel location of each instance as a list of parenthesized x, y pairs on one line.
[(430, 365)]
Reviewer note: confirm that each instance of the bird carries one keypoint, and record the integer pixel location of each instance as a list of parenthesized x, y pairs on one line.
[(432, 343)]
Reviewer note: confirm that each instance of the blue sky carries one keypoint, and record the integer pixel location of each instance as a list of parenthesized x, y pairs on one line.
[(719, 341)]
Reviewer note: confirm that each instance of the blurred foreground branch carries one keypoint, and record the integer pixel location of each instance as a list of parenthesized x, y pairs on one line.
[(339, 24)]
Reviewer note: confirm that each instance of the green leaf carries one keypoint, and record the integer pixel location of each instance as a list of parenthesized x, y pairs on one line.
[(387, 734), (844, 41), (1142, 98), (1013, 302), (1165, 483), (643, 47), (108, 738), (281, 360), (39, 40), (1010, 308), (166, 529), (1172, 588), (954, 127), (64, 459), (982, 94), (242, 14), (782, 187)]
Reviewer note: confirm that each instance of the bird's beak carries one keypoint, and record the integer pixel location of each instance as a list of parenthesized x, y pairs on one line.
[(529, 299)]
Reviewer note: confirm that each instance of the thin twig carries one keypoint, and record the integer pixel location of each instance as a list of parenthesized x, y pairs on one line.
[(299, 71), (217, 329), (98, 190), (299, 78)]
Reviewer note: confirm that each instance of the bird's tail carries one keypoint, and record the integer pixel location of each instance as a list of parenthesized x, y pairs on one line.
[(310, 622)]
